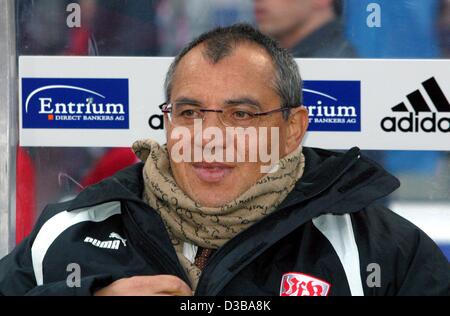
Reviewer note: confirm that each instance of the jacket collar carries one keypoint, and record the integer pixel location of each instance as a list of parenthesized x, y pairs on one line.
[(358, 179)]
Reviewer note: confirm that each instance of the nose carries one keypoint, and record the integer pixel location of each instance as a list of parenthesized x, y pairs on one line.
[(211, 120)]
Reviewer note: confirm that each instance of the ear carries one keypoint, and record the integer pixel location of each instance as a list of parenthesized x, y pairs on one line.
[(297, 126)]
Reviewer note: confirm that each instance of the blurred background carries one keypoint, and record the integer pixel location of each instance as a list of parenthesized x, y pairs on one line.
[(308, 28)]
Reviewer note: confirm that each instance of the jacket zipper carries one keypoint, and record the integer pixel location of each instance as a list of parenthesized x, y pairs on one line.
[(161, 256)]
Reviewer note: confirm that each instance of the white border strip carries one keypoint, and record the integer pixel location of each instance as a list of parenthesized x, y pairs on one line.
[(8, 127), (56, 225)]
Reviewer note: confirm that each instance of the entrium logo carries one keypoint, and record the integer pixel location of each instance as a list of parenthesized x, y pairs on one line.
[(75, 103), (333, 105)]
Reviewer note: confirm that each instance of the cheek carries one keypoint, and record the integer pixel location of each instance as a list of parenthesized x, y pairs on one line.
[(180, 143), (276, 136), (252, 172), (182, 174), (179, 167), (282, 141), (267, 141)]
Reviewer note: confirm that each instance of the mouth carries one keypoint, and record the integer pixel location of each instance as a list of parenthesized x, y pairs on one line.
[(211, 171)]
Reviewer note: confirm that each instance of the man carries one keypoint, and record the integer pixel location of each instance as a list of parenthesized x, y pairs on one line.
[(444, 27), (304, 224), (308, 28)]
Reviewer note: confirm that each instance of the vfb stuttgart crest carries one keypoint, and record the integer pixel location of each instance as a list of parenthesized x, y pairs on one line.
[(299, 284)]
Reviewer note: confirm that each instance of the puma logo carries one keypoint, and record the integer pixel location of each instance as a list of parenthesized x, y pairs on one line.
[(117, 236)]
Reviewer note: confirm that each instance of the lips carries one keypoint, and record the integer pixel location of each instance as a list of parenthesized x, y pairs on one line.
[(211, 172)]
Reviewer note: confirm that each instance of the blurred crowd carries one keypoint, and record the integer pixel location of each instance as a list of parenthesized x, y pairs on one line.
[(162, 27)]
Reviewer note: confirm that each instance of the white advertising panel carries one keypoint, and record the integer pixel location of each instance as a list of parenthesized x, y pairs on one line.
[(112, 101)]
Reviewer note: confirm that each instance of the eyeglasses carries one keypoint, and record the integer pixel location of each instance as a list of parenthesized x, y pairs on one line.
[(236, 116)]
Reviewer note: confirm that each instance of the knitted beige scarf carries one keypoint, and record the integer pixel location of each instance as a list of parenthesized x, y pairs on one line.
[(210, 227)]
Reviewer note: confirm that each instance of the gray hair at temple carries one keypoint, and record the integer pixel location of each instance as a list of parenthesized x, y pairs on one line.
[(220, 43)]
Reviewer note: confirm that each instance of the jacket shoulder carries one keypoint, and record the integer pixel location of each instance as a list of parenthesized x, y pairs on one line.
[(410, 262)]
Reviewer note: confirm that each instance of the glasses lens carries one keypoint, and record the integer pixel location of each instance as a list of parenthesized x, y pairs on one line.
[(239, 116), (185, 115)]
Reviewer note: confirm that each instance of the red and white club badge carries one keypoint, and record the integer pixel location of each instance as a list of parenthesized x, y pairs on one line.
[(299, 284)]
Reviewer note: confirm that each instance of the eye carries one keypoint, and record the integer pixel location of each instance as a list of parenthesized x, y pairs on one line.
[(242, 115), (189, 114)]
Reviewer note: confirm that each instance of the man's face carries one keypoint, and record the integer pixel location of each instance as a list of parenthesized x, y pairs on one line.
[(278, 17), (243, 76)]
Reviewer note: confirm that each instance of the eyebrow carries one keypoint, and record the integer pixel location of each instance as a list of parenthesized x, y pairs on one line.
[(243, 100), (229, 102), (184, 101)]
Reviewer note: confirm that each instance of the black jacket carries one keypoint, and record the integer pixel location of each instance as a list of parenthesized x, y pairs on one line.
[(329, 228)]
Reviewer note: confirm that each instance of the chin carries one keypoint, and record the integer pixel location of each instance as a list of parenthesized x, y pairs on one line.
[(212, 204), (213, 197)]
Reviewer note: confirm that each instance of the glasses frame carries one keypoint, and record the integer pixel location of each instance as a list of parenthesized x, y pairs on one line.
[(165, 109)]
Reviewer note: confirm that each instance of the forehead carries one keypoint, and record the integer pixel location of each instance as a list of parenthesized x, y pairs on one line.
[(248, 69)]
